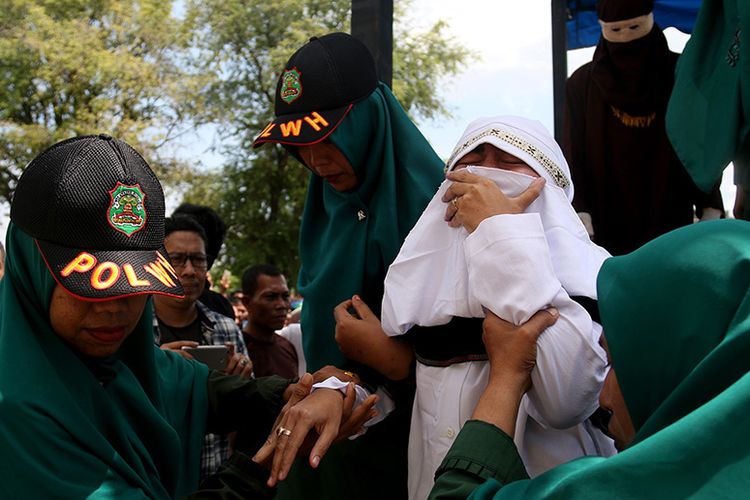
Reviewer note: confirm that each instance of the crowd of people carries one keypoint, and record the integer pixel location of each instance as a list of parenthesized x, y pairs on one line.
[(464, 330)]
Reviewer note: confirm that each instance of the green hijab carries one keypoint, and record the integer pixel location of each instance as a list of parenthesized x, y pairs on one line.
[(708, 116), (348, 240), (127, 426), (676, 314)]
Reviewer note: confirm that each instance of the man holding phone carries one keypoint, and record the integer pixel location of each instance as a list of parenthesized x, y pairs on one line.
[(187, 323)]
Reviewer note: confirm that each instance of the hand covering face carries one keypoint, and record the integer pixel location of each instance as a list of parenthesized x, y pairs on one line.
[(427, 284)]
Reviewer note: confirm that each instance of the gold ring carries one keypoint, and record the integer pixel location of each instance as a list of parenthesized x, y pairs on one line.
[(243, 362), (454, 203), (350, 374), (282, 431)]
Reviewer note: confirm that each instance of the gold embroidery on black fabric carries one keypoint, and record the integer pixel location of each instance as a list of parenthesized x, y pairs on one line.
[(545, 162), (633, 121)]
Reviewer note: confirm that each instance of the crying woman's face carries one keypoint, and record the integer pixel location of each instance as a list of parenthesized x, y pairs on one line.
[(487, 155)]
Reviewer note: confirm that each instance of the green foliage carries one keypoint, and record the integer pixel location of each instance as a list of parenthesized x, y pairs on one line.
[(420, 61), (130, 68), (73, 67), (260, 193), (262, 215)]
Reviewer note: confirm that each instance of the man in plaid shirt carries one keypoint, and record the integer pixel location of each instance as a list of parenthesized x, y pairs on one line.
[(186, 322)]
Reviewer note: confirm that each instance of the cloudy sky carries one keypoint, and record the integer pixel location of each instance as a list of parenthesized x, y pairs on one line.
[(512, 74)]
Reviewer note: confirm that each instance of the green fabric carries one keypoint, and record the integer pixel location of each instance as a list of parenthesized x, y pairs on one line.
[(382, 451), (248, 406), (236, 403), (709, 110), (238, 478), (398, 173), (676, 314), (127, 426), (470, 460), (681, 307)]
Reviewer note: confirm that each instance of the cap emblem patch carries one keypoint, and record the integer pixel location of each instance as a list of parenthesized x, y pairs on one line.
[(127, 213), (291, 86)]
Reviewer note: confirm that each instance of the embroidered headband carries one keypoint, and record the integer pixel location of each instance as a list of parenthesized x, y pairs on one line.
[(556, 173)]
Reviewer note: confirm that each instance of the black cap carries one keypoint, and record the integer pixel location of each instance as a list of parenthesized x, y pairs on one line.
[(96, 212), (620, 10), (319, 85)]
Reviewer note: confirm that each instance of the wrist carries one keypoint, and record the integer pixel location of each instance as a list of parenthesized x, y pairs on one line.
[(498, 405), (511, 382), (328, 390), (331, 383)]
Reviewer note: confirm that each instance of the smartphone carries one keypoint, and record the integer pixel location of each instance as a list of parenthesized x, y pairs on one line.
[(214, 356)]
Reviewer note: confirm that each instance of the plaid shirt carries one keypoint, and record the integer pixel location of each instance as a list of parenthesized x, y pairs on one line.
[(216, 329)]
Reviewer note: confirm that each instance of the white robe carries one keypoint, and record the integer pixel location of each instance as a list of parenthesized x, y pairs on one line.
[(505, 265)]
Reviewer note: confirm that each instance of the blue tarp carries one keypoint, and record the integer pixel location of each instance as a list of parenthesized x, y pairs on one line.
[(583, 25)]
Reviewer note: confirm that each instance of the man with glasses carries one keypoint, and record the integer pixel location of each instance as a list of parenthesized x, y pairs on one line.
[(215, 230), (187, 322)]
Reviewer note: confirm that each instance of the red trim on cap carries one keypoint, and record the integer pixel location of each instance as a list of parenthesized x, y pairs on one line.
[(100, 299), (259, 142)]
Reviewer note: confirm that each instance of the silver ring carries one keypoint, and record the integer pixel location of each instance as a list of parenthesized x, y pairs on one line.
[(282, 431)]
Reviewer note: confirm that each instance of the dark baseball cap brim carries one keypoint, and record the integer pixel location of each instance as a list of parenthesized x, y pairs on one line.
[(108, 274), (302, 129)]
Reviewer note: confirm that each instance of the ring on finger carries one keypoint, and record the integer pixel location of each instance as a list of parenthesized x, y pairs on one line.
[(454, 202), (348, 374), (243, 362), (283, 431)]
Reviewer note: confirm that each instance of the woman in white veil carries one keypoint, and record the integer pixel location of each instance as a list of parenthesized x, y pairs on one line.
[(496, 237)]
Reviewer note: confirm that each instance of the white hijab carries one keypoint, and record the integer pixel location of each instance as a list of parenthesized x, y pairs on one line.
[(427, 284)]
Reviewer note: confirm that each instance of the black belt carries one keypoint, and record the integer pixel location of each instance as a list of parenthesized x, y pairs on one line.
[(454, 342), (460, 339)]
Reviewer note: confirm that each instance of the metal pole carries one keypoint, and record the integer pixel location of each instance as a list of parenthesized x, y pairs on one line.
[(559, 62), (372, 23)]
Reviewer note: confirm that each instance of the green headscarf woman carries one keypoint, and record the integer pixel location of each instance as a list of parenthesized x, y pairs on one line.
[(349, 238), (88, 406), (373, 174), (676, 317)]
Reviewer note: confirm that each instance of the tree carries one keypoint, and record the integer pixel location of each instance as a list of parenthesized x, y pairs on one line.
[(260, 193), (73, 67)]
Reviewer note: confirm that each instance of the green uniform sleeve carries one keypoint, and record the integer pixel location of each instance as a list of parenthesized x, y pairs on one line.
[(241, 404), (249, 406), (239, 478), (481, 452)]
